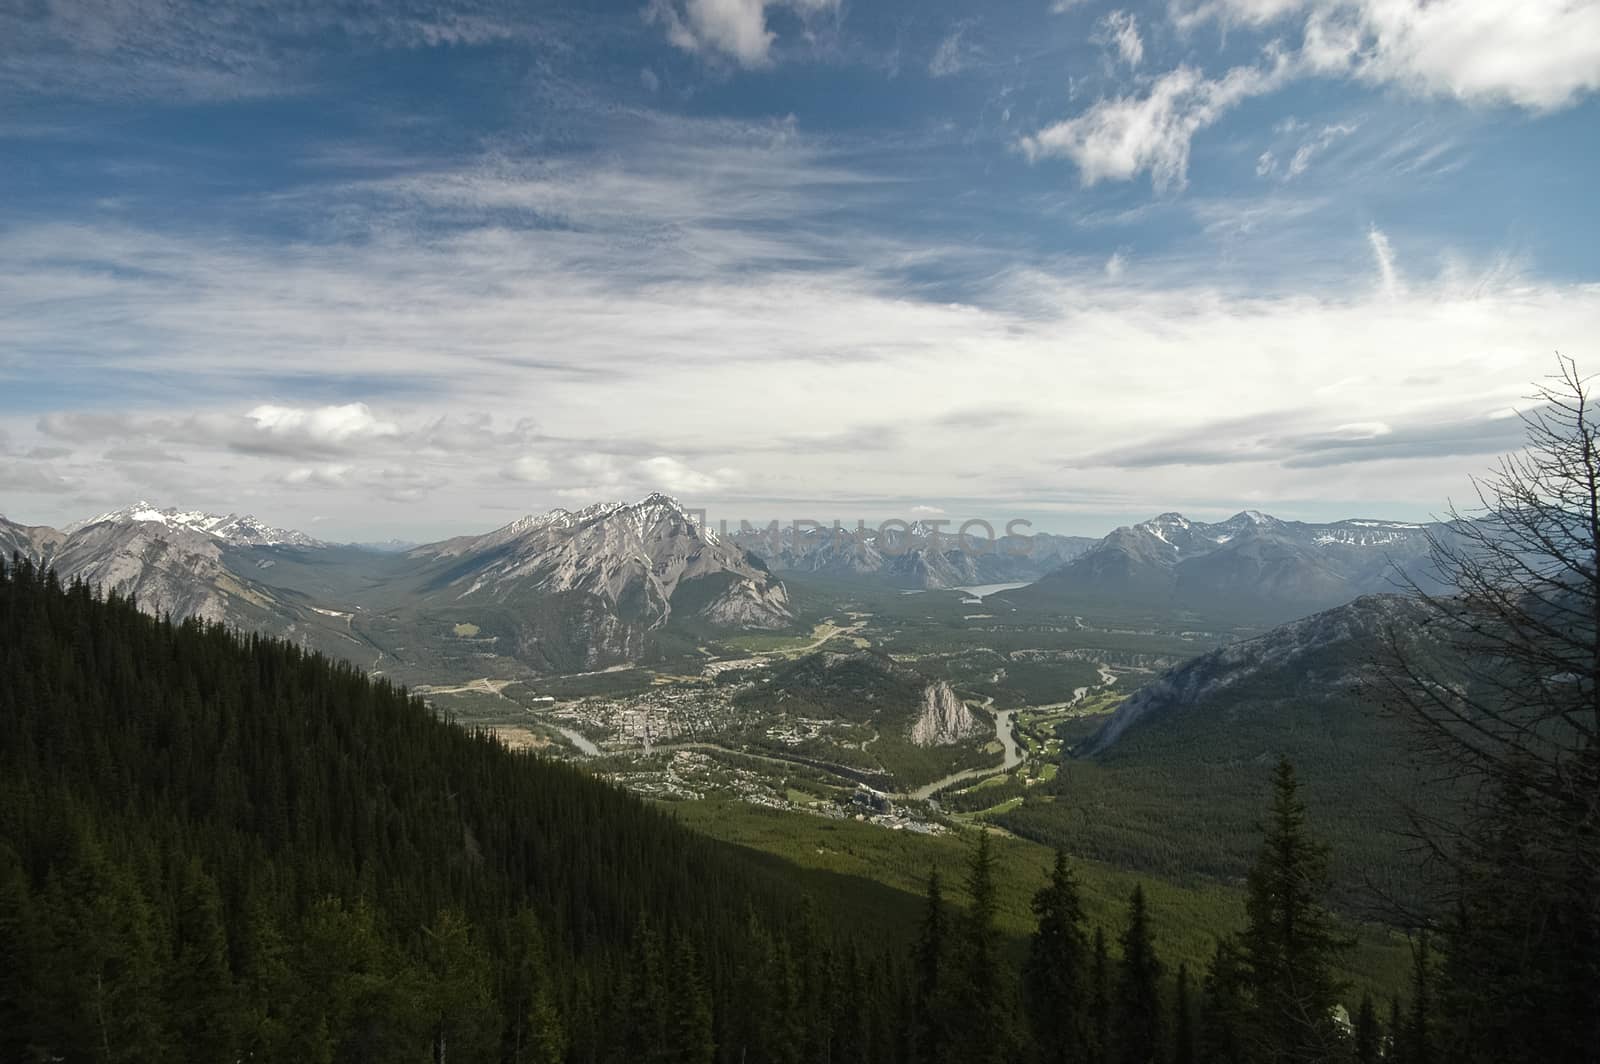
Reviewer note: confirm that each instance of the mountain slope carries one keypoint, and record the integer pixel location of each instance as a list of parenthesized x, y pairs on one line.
[(223, 849), (38, 543), (1216, 724)]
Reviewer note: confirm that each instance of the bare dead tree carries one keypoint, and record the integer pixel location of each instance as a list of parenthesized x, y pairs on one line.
[(1501, 684)]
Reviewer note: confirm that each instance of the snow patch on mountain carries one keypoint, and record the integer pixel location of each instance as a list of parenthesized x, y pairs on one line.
[(233, 529)]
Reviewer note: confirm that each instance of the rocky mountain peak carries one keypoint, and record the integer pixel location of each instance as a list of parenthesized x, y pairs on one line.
[(232, 529)]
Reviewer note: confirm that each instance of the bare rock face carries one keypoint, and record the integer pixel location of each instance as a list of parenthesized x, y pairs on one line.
[(37, 543), (643, 560), (944, 719)]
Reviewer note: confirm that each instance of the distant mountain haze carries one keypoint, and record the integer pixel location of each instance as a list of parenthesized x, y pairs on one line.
[(610, 583)]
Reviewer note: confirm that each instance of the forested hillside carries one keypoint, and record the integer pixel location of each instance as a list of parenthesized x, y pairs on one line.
[(221, 848)]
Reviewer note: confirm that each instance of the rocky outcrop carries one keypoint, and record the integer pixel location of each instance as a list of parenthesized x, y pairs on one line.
[(944, 718)]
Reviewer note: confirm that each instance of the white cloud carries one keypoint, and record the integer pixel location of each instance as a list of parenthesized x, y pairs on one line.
[(323, 426), (1383, 255), (1120, 30), (1535, 54), (1266, 163), (1116, 265), (1301, 160), (606, 356), (528, 467), (676, 477), (1119, 138), (332, 475), (736, 29)]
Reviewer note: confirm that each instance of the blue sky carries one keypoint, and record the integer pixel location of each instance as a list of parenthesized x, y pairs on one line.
[(409, 269)]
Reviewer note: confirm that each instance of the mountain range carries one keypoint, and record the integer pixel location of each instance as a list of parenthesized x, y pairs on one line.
[(920, 555), (622, 582), (562, 591), (1250, 562)]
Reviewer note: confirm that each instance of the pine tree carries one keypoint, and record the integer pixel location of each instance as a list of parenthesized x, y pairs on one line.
[(1225, 1013), (19, 956), (1100, 1001), (983, 994), (645, 1012), (689, 1026), (1138, 995), (201, 998), (1290, 942), (1183, 1049), (1055, 972), (1368, 1043), (534, 1032), (928, 1008)]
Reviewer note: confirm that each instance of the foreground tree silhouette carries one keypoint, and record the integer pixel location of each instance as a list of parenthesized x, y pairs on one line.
[(1504, 694), (983, 993), (928, 1014), (1054, 975), (1368, 1043), (1290, 943), (1138, 1002), (1182, 1021), (1100, 1001)]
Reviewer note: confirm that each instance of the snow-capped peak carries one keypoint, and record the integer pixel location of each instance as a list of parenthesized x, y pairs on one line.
[(241, 531)]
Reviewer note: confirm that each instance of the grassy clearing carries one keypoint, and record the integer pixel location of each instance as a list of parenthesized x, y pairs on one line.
[(1187, 918)]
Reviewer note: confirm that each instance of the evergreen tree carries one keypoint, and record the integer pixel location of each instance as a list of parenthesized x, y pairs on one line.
[(983, 995), (689, 1030), (457, 995), (1368, 1043), (201, 999), (1223, 1018), (1290, 942), (1183, 1048), (534, 1032), (1100, 1001), (645, 1013), (1138, 996), (264, 983), (928, 1011), (1418, 1034), (1056, 970), (19, 955)]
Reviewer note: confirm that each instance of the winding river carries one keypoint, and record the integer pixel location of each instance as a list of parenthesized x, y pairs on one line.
[(1013, 758)]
